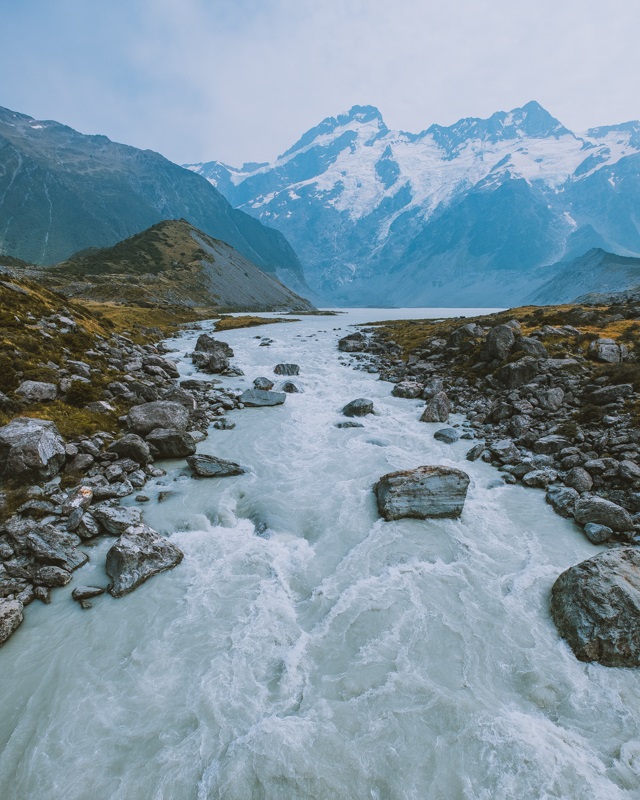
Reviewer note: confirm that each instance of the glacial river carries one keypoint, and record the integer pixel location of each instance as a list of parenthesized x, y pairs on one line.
[(306, 649)]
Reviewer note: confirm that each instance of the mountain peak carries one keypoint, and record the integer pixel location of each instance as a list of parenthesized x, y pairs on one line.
[(357, 117)]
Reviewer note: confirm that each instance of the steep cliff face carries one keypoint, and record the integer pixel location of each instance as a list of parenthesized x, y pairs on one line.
[(62, 191)]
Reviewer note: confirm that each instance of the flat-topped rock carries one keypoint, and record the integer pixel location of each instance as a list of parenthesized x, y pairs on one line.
[(139, 554), (37, 391), (596, 608), (262, 397), (144, 418), (422, 493), (592, 508), (207, 466)]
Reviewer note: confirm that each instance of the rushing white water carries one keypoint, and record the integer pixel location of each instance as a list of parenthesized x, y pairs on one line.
[(307, 650)]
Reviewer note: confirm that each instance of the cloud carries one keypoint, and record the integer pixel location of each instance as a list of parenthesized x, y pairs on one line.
[(202, 79)]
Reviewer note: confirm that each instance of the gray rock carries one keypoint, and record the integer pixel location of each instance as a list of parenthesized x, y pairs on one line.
[(211, 467), (30, 450), (579, 479), (540, 478), (596, 608), (358, 408), (563, 500), (598, 534), (51, 576), (431, 388), (464, 334), (607, 351), (37, 391), (505, 450), (422, 493), (596, 509), (263, 383), (147, 417), (260, 397), (352, 343), (77, 499), (547, 445), (609, 394), (499, 342), (171, 443), (518, 373), (407, 389), (519, 424), (286, 369), (131, 446), (349, 424), (87, 527), (136, 556), (290, 388), (214, 363), (476, 451), (437, 409), (551, 399), (532, 347), (87, 592), (115, 519), (207, 344), (447, 435), (100, 407), (629, 471), (10, 617)]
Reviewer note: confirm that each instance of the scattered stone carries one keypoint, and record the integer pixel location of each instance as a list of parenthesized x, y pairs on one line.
[(499, 342), (518, 373), (563, 500), (164, 414), (408, 389), (211, 467), (51, 576), (263, 383), (116, 519), (422, 493), (437, 409), (171, 443), (87, 592), (10, 617), (290, 388), (598, 534), (579, 479), (260, 397), (286, 369), (349, 424), (596, 608), (358, 408), (540, 478), (607, 351), (30, 449), (603, 512), (136, 556), (352, 343), (37, 391), (476, 451), (207, 344), (447, 435)]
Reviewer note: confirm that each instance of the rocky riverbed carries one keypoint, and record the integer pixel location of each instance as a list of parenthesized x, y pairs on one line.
[(553, 396)]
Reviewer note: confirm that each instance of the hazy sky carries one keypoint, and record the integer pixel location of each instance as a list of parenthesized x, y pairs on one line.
[(240, 80)]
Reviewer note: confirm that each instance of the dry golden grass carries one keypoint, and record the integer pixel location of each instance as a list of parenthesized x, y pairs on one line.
[(232, 323)]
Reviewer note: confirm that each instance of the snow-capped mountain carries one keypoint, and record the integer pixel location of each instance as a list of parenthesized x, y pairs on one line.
[(459, 215)]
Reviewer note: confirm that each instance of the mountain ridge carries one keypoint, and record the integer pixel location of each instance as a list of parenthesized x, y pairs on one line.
[(373, 211)]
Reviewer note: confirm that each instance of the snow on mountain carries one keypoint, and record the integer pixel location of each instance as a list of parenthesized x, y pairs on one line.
[(380, 215)]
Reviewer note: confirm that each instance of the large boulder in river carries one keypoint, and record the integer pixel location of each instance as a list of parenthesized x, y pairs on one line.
[(286, 369), (261, 397), (596, 608), (425, 492), (147, 417), (211, 467), (214, 363), (10, 618), (116, 519), (137, 555), (171, 443), (437, 409), (358, 408), (603, 512), (207, 344), (30, 450), (263, 383)]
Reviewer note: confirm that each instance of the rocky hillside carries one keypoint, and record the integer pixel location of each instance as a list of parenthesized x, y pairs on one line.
[(62, 191), (172, 263), (462, 215)]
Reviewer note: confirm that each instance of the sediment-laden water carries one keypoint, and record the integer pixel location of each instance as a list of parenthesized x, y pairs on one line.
[(307, 650)]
